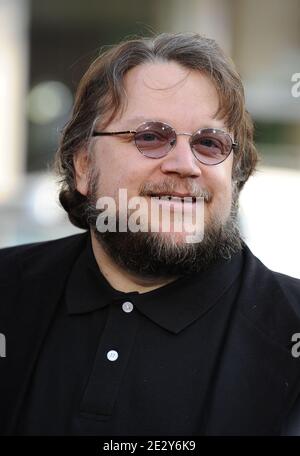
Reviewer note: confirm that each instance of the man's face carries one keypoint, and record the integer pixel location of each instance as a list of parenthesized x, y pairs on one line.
[(186, 100)]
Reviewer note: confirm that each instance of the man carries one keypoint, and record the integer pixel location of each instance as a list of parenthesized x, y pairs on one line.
[(147, 331)]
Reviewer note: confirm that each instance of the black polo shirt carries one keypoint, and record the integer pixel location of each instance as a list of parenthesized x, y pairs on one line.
[(117, 363)]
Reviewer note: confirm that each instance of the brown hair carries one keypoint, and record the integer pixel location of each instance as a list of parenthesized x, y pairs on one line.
[(101, 94)]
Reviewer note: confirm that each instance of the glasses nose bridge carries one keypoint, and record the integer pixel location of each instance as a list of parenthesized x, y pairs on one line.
[(180, 133), (184, 133)]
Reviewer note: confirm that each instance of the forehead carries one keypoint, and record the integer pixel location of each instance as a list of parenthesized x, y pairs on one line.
[(172, 93)]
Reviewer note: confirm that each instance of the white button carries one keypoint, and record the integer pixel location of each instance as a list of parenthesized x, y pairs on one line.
[(127, 306), (112, 355)]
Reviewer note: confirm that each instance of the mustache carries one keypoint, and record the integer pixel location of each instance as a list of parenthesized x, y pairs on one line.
[(172, 186)]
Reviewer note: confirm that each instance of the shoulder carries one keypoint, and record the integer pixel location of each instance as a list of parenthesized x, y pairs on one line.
[(25, 249), (21, 257), (269, 299), (265, 279), (290, 286)]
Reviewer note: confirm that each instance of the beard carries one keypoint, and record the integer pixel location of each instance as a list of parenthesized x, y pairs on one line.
[(155, 255)]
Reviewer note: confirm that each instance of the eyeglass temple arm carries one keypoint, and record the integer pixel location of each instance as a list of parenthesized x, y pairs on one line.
[(110, 133)]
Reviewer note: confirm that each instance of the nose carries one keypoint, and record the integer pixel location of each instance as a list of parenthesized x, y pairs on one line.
[(181, 160)]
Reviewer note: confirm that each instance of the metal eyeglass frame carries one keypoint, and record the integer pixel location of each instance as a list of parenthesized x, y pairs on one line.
[(234, 145)]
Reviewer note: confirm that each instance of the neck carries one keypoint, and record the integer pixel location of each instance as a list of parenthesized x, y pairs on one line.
[(121, 279)]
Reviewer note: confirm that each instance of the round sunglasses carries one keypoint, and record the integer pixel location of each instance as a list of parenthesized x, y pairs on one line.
[(155, 139)]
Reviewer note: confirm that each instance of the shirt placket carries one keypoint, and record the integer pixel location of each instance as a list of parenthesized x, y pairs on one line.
[(111, 359)]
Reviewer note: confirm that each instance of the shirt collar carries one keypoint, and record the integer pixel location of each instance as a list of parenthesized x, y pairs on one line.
[(173, 306)]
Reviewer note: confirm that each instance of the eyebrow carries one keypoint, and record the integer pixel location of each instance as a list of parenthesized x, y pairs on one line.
[(138, 119), (135, 121)]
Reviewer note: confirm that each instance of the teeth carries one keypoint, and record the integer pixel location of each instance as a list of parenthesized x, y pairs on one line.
[(172, 198)]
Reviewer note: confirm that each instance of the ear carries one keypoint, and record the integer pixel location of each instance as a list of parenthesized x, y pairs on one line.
[(80, 161)]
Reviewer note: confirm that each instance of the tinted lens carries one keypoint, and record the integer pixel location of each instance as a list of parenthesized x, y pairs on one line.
[(155, 139), (211, 146)]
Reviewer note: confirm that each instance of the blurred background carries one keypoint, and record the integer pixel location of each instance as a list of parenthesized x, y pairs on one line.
[(46, 46)]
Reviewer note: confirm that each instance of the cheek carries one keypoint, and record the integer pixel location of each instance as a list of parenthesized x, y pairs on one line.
[(118, 170), (222, 194), (219, 182)]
